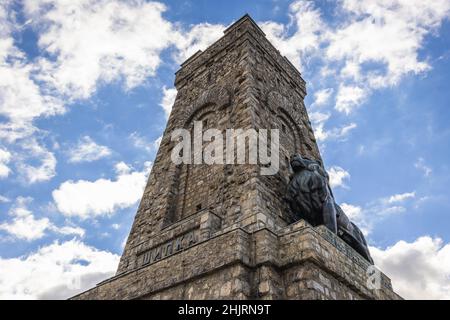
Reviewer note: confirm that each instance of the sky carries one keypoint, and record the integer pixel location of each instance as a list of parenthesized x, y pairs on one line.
[(86, 88)]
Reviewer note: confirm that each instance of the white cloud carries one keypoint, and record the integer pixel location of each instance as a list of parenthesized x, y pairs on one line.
[(122, 168), (89, 43), (115, 226), (361, 216), (421, 165), (346, 129), (25, 226), (351, 70), (5, 157), (87, 150), (103, 41), (322, 96), (32, 174), (419, 269), (386, 32), (22, 101), (141, 142), (400, 197), (157, 143), (374, 212), (199, 37), (349, 97), (309, 29), (4, 199), (21, 97), (56, 271), (168, 99), (84, 44), (318, 117), (354, 213), (338, 176), (376, 43), (320, 133), (68, 230), (422, 200), (387, 211), (87, 199), (318, 120), (99, 41), (335, 133)]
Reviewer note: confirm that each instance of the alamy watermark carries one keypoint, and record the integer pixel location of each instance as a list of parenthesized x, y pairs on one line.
[(231, 149)]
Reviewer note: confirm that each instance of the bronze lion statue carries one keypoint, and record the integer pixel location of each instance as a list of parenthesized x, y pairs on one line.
[(310, 198)]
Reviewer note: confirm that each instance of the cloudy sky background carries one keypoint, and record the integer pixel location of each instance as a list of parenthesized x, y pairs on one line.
[(86, 87)]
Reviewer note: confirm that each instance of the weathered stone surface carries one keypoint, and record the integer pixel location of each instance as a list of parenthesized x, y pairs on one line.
[(223, 231), (296, 262)]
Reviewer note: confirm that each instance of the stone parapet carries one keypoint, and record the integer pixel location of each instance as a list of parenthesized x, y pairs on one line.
[(296, 262)]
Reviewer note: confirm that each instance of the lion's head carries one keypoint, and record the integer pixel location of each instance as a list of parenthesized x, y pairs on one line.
[(299, 163)]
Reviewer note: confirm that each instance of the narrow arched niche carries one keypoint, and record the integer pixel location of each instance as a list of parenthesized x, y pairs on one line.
[(196, 187)]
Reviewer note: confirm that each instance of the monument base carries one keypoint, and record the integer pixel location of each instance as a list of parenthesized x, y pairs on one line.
[(252, 259)]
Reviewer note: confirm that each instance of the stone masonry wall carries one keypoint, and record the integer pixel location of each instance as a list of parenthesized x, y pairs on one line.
[(297, 262), (213, 91), (239, 82)]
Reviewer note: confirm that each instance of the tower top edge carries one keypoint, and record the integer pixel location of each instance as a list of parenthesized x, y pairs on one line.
[(241, 21), (235, 33), (245, 17)]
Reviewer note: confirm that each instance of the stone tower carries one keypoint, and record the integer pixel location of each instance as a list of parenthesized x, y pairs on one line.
[(223, 231)]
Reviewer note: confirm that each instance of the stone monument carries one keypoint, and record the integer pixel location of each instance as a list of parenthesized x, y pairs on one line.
[(211, 231)]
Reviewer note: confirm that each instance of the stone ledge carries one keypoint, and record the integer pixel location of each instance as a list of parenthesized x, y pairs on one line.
[(299, 247), (202, 224)]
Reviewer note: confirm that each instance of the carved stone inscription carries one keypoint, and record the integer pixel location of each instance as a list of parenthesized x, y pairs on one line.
[(168, 248)]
